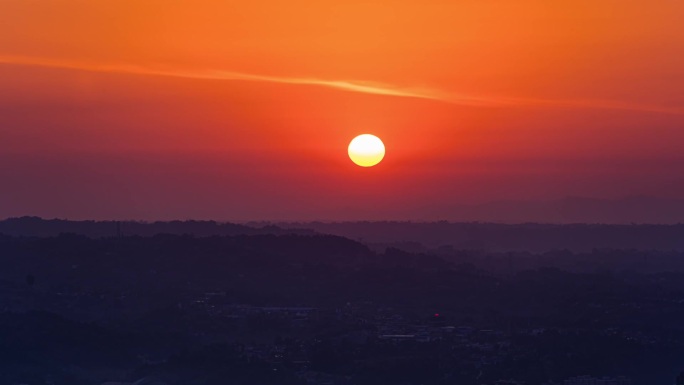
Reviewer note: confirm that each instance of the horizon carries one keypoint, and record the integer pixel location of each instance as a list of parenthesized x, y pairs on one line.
[(632, 209)]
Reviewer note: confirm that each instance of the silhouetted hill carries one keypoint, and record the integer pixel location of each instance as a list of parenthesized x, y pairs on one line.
[(504, 237), (415, 237), (628, 210), (38, 227), (219, 310)]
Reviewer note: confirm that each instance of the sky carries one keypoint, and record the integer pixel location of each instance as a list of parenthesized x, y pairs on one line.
[(243, 110)]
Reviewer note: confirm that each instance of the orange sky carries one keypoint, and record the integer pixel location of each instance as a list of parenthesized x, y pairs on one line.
[(243, 110)]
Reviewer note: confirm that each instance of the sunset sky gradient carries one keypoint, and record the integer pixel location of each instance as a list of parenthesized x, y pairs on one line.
[(236, 110)]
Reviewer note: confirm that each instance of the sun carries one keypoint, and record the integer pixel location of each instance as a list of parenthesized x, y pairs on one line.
[(366, 150)]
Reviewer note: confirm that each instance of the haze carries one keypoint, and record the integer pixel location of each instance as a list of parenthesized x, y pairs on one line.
[(244, 110)]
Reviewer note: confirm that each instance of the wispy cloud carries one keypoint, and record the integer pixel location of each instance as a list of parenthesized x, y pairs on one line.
[(344, 85)]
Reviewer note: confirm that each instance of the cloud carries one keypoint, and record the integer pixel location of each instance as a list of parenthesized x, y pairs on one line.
[(352, 86), (344, 85)]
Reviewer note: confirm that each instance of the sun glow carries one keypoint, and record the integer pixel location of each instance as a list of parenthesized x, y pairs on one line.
[(366, 150)]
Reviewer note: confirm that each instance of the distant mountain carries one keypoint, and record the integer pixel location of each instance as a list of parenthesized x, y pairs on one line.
[(38, 227), (636, 209), (534, 237)]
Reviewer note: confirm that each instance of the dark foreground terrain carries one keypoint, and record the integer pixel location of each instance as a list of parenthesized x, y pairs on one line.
[(269, 306)]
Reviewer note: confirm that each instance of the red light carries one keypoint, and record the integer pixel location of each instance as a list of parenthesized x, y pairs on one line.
[(436, 314)]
